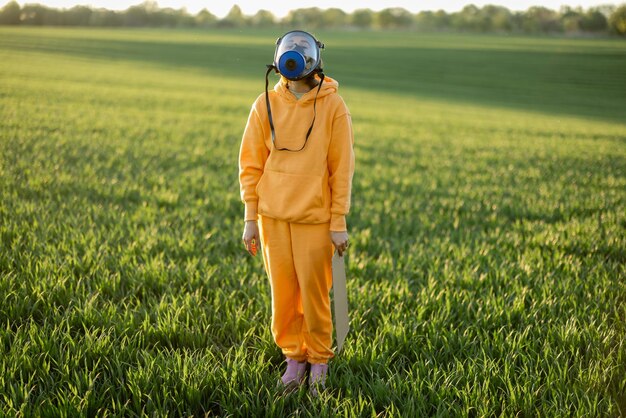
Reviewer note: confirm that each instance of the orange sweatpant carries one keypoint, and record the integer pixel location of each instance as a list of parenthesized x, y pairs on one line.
[(298, 261)]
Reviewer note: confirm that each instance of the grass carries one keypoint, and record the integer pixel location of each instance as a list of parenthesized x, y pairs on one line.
[(488, 228)]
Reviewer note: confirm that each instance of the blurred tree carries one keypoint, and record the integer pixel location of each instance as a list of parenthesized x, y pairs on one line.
[(104, 17), (77, 16), (395, 18), (442, 19), (495, 19), (173, 18), (517, 22), (334, 18), (205, 19), (428, 20), (34, 14), (306, 19), (234, 18), (10, 14), (139, 15), (425, 20), (617, 20), (53, 17), (489, 18), (184, 18), (362, 18), (606, 9), (571, 18), (469, 18), (541, 19), (594, 21), (263, 19)]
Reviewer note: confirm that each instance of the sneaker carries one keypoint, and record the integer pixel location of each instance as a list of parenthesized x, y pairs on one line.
[(317, 378), (294, 375)]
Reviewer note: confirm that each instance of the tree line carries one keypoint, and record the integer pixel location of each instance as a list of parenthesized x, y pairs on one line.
[(606, 19)]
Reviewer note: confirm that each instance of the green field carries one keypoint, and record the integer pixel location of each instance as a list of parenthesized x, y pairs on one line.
[(488, 260)]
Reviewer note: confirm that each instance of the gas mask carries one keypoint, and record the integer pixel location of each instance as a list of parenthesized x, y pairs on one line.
[(297, 56)]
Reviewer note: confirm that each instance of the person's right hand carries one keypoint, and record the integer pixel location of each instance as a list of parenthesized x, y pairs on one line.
[(251, 237), (340, 241)]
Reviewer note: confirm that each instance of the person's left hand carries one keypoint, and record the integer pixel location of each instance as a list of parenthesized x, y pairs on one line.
[(340, 240)]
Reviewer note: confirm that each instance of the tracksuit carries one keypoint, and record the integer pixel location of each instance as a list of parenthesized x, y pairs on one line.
[(297, 199)]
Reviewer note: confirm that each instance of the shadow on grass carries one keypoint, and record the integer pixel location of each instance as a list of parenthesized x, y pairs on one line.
[(584, 83)]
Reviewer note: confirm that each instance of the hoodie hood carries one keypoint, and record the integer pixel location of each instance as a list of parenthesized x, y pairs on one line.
[(329, 86)]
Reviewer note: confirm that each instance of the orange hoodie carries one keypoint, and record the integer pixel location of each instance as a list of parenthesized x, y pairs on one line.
[(309, 186)]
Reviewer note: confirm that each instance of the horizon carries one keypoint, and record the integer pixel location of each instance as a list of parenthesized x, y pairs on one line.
[(280, 9)]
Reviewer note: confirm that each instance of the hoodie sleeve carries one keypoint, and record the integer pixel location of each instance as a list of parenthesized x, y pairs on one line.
[(341, 169), (252, 156)]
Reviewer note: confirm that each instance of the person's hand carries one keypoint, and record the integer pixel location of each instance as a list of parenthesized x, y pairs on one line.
[(340, 240), (251, 237)]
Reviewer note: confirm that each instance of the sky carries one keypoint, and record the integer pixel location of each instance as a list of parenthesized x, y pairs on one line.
[(280, 7)]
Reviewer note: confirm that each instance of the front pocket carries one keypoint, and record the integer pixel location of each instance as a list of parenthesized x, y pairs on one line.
[(291, 197)]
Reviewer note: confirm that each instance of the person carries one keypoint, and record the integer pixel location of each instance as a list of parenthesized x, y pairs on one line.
[(296, 165)]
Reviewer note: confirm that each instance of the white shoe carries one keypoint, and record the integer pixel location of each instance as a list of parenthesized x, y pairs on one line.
[(294, 375), (317, 378)]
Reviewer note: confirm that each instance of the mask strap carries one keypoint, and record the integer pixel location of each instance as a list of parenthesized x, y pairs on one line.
[(269, 110), (267, 101)]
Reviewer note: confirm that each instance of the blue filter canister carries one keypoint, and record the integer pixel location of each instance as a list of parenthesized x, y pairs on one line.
[(291, 64)]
